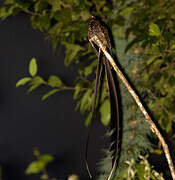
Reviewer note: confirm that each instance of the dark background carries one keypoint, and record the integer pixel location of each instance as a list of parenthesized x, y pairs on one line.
[(27, 122)]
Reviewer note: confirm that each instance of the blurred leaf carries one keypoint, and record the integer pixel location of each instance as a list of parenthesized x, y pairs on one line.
[(154, 30), (33, 87), (46, 158), (141, 171), (105, 113), (39, 165), (44, 177), (43, 22), (85, 101), (126, 11), (33, 67), (35, 167), (88, 69), (168, 126), (151, 60), (40, 5), (157, 151), (88, 119), (36, 153), (23, 81), (9, 1), (71, 52), (22, 5), (3, 13), (73, 177), (53, 91), (172, 45), (55, 4), (77, 90), (54, 81)]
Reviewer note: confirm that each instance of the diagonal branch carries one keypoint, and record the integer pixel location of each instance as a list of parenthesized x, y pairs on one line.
[(153, 127)]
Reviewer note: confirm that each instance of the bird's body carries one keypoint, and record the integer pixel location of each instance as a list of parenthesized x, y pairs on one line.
[(96, 29)]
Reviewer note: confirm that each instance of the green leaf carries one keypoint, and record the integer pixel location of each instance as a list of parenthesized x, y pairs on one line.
[(8, 11), (154, 30), (44, 177), (23, 81), (22, 5), (105, 113), (88, 119), (141, 171), (46, 158), (43, 22), (9, 2), (71, 52), (38, 80), (126, 11), (3, 13), (54, 81), (33, 67), (172, 43), (36, 153), (73, 177), (168, 126), (35, 167), (55, 5), (35, 82), (152, 60), (77, 90), (88, 70), (53, 91), (85, 101), (40, 5), (33, 87)]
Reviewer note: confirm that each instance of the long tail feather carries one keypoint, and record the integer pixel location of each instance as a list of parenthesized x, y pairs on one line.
[(98, 74), (114, 126), (96, 29)]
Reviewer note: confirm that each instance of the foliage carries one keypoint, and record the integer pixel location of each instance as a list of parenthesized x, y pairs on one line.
[(134, 128), (35, 81), (152, 34), (143, 33), (56, 85), (141, 170), (39, 165)]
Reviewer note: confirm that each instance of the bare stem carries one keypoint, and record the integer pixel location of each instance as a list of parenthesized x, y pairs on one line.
[(31, 12), (153, 127)]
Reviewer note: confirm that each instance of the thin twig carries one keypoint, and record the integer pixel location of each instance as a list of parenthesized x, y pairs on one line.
[(31, 12), (153, 127)]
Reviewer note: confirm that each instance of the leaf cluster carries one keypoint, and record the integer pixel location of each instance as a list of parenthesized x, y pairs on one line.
[(34, 81), (149, 29), (39, 165), (65, 22), (82, 91), (61, 21), (140, 170)]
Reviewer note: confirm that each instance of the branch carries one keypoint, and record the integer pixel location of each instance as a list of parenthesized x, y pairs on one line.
[(153, 127), (31, 12)]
